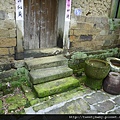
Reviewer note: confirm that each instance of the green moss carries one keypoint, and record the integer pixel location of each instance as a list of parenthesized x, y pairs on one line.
[(27, 104), (12, 107), (1, 94), (0, 86), (0, 104), (21, 112), (39, 107), (78, 72), (30, 96), (35, 101), (61, 85), (22, 102), (8, 91), (26, 88), (93, 83), (4, 86), (15, 84), (82, 79), (14, 99)]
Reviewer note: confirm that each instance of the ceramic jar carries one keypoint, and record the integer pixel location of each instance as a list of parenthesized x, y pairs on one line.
[(114, 64), (111, 83)]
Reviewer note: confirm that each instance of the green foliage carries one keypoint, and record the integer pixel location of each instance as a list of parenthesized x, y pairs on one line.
[(79, 55), (27, 104), (77, 60), (20, 77), (114, 24), (0, 85)]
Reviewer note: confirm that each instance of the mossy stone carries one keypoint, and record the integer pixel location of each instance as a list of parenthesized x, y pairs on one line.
[(22, 102), (57, 86), (13, 99), (93, 83), (26, 88), (96, 68), (12, 107), (35, 101), (30, 96)]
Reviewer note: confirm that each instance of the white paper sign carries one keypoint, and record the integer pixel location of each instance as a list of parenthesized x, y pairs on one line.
[(19, 10), (68, 10)]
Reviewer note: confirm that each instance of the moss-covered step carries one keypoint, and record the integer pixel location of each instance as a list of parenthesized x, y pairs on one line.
[(46, 62), (49, 74), (56, 86)]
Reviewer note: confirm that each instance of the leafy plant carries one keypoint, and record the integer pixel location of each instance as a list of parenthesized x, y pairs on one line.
[(114, 24)]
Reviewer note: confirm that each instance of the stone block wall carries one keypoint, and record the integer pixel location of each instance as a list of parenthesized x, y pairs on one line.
[(91, 29), (7, 28)]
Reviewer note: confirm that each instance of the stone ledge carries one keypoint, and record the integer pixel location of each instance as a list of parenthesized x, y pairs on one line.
[(5, 66)]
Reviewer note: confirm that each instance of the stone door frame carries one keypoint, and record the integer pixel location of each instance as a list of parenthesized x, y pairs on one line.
[(63, 29)]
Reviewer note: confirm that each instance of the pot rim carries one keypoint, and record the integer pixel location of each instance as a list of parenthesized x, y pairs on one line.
[(99, 60), (112, 58), (115, 74)]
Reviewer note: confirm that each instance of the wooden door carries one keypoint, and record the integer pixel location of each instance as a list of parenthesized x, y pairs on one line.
[(40, 22)]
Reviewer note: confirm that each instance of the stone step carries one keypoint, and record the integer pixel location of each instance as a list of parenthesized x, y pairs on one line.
[(49, 74), (57, 86), (42, 52), (46, 62)]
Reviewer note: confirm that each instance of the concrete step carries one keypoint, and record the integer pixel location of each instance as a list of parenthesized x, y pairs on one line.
[(49, 74), (42, 52), (57, 86), (46, 62)]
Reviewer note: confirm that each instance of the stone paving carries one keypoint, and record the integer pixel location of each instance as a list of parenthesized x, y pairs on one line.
[(81, 102)]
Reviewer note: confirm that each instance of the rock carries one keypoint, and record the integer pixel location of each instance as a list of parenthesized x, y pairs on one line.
[(2, 15), (105, 106)]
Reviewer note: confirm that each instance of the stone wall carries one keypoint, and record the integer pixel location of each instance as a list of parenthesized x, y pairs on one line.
[(7, 28), (91, 29)]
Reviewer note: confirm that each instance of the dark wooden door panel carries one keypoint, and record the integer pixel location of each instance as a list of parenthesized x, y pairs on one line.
[(40, 23)]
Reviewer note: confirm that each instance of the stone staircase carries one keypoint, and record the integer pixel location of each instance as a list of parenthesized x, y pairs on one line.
[(50, 75)]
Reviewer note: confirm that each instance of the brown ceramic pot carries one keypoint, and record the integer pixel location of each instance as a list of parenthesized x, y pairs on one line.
[(111, 83)]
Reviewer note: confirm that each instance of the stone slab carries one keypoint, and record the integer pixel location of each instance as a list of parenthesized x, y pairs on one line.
[(49, 74), (8, 73), (117, 111), (55, 87), (104, 106), (96, 97), (117, 100), (74, 107), (5, 66), (45, 62)]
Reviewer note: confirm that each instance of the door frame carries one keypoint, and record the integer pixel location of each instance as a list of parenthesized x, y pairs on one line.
[(62, 31)]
